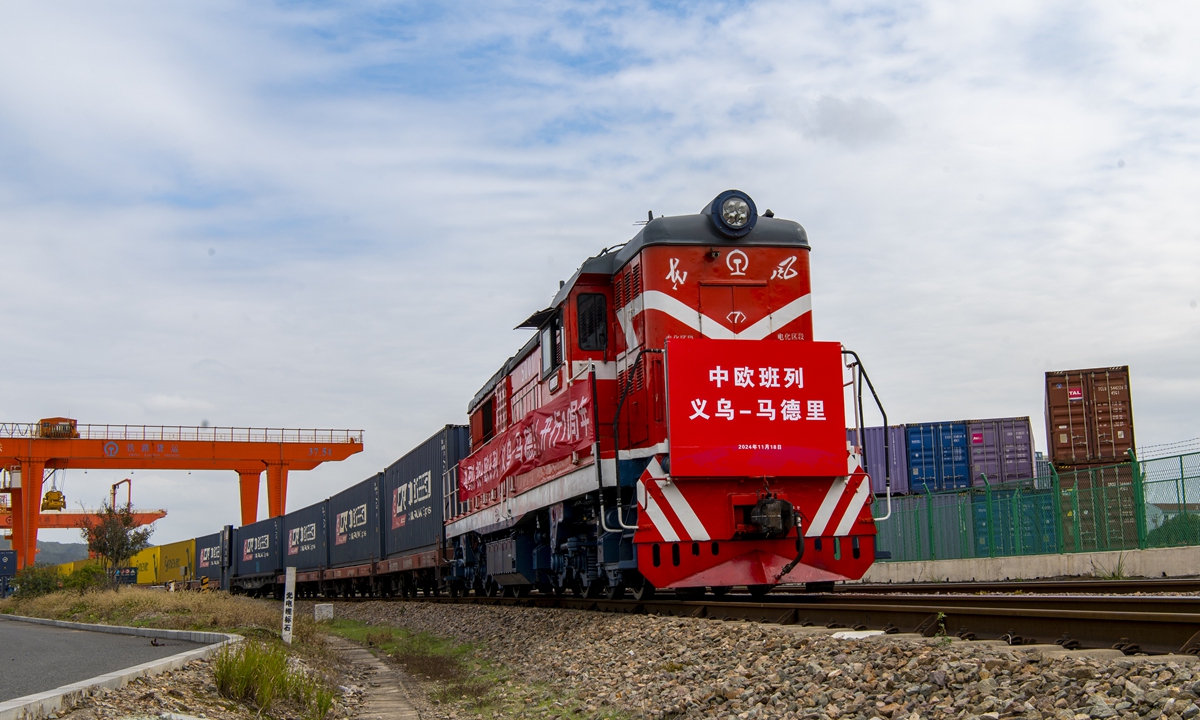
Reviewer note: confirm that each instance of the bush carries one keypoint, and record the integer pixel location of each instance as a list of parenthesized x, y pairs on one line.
[(37, 580), (258, 673), (1183, 529), (88, 577)]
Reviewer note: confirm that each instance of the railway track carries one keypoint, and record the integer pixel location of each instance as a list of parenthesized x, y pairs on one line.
[(1144, 585), (1133, 624)]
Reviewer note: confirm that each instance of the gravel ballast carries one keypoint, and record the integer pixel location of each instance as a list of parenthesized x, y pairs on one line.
[(647, 666)]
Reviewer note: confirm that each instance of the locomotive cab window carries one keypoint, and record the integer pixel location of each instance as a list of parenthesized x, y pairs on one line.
[(551, 342), (593, 321)]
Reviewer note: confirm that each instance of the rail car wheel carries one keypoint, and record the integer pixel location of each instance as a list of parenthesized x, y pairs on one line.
[(720, 591), (491, 589), (614, 592), (759, 591), (643, 590), (522, 590)]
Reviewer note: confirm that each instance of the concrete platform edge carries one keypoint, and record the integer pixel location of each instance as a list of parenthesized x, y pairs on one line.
[(41, 705), (1150, 563)]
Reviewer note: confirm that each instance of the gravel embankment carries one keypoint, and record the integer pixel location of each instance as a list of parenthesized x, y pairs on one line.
[(671, 667)]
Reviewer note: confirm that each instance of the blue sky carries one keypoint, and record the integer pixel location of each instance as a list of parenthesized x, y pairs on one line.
[(333, 215)]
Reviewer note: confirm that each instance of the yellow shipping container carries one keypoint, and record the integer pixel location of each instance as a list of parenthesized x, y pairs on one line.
[(81, 564), (177, 561), (65, 568), (146, 563)]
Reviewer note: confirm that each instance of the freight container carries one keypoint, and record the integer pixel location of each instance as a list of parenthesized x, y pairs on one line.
[(928, 527), (1014, 522), (937, 456), (873, 450), (8, 563), (1001, 450), (209, 559), (1099, 508), (146, 564), (176, 561), (412, 492), (257, 549), (353, 535), (1089, 416), (305, 534)]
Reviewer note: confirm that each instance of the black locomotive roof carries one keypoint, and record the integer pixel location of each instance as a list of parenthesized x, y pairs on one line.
[(674, 230)]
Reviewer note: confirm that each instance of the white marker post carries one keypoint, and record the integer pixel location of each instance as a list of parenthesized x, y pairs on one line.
[(289, 604)]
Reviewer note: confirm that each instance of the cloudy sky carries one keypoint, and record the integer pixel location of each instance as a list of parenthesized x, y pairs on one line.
[(331, 215)]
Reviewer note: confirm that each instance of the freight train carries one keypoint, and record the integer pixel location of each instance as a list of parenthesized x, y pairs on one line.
[(670, 424)]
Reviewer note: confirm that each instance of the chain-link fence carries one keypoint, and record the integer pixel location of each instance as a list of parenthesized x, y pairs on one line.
[(1138, 504)]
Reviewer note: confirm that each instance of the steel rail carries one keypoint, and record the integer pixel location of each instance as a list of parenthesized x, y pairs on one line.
[(1074, 622), (1090, 586)]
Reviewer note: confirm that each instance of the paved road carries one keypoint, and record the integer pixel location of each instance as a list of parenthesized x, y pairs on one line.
[(37, 658)]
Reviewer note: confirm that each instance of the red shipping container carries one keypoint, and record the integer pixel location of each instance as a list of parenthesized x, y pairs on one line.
[(1089, 416)]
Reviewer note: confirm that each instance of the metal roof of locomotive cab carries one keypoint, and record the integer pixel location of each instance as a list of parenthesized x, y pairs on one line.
[(674, 230), (685, 230)]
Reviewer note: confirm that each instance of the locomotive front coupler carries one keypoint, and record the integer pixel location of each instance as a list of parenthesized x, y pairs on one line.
[(772, 516)]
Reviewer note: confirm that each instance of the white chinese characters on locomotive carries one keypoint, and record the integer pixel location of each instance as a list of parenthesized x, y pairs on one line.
[(672, 423)]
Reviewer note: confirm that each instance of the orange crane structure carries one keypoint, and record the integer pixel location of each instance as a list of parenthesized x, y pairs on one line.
[(27, 450)]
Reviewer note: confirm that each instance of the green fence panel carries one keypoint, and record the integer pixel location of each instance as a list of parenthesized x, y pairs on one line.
[(1125, 506)]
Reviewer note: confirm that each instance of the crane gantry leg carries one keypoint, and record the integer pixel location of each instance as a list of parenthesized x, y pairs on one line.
[(248, 482), (32, 473), (277, 474)]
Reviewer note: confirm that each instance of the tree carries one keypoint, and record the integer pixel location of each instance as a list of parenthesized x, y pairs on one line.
[(114, 537)]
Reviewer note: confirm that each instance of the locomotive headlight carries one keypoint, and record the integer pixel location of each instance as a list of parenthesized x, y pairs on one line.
[(735, 212)]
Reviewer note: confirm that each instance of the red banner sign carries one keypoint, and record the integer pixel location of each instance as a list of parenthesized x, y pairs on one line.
[(551, 432), (756, 409)]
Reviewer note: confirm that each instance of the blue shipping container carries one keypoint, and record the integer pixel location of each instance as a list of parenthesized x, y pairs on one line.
[(257, 548), (412, 492), (1021, 523), (209, 558), (8, 563), (938, 458), (304, 538), (353, 520)]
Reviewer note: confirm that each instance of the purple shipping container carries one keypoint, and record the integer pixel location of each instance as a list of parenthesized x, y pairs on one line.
[(1001, 449), (874, 451)]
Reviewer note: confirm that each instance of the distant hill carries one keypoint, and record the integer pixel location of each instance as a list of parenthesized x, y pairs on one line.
[(55, 553)]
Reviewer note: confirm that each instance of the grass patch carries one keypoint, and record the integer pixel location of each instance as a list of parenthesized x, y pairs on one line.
[(260, 674), (142, 607), (462, 675)]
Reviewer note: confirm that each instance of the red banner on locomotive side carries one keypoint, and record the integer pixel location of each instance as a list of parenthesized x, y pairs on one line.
[(551, 432), (769, 409)]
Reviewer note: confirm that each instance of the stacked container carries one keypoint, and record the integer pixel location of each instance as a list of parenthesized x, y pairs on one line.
[(937, 456), (1001, 450), (1089, 416), (877, 459)]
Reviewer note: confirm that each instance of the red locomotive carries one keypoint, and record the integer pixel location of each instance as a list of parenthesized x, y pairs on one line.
[(671, 424)]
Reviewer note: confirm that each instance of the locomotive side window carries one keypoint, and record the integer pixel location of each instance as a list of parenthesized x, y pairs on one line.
[(489, 419), (593, 321), (551, 342)]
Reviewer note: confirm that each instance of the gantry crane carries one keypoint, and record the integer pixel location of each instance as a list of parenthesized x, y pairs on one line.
[(27, 450)]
